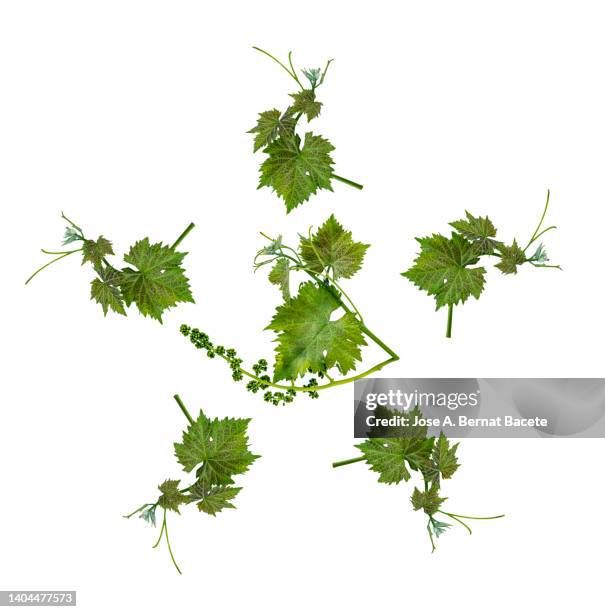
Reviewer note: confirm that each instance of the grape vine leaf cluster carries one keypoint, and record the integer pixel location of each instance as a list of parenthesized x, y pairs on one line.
[(410, 448), (407, 449), (297, 165), (319, 331), (153, 280), (448, 268), (216, 451)]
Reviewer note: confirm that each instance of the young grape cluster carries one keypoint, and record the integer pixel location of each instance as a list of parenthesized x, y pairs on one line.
[(261, 380)]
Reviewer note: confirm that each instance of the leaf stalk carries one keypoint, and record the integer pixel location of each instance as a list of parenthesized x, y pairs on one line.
[(182, 236), (348, 461), (450, 315), (347, 181), (184, 410)]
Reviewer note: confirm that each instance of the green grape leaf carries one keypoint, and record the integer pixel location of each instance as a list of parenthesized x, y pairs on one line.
[(443, 462), (270, 125), (392, 457), (280, 276), (296, 173), (171, 497), (217, 499), (95, 250), (218, 446), (510, 257), (158, 282), (332, 247), (309, 340), (443, 269), (479, 230), (305, 102), (108, 295), (429, 501), (444, 456)]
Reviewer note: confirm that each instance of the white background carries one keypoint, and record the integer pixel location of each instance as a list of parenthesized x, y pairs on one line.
[(131, 118)]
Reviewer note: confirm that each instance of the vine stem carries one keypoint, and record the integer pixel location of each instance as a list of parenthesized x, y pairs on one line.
[(179, 401), (453, 516), (52, 261), (161, 531), (347, 181), (293, 69), (335, 383), (178, 569), (428, 528), (183, 235), (323, 75), (535, 235), (458, 518), (450, 314), (73, 224), (46, 252), (474, 518), (136, 511), (551, 227), (164, 532), (347, 461), (292, 74)]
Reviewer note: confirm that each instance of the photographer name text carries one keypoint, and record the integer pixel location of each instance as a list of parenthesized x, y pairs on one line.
[(455, 421)]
